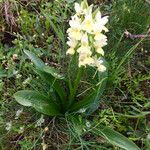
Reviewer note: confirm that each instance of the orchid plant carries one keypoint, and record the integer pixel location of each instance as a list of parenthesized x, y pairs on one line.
[(86, 41)]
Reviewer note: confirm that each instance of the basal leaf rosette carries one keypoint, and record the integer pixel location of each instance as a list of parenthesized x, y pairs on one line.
[(85, 36)]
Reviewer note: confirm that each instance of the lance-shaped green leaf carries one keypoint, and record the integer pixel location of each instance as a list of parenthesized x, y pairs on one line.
[(115, 138), (53, 72), (50, 73), (38, 101), (37, 61), (54, 83), (41, 66), (92, 100)]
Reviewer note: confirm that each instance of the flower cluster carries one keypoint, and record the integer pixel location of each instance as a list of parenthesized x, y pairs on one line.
[(85, 36)]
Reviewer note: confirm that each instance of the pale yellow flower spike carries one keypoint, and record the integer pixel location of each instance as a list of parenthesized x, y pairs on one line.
[(84, 26)]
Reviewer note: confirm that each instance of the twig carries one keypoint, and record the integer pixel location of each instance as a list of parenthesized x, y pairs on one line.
[(135, 36)]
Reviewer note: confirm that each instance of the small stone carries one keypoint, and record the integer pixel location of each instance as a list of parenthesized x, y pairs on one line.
[(46, 129), (15, 56)]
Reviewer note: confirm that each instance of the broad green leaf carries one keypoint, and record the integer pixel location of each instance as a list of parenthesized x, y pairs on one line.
[(53, 72), (41, 66), (37, 61), (115, 138), (38, 101)]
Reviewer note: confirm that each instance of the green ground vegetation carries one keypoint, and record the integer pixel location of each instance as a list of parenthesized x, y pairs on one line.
[(40, 27)]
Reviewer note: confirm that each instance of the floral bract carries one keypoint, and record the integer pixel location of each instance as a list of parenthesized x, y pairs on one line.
[(85, 36)]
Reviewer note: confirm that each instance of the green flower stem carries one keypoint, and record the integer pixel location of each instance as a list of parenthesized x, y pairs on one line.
[(76, 84), (69, 79), (72, 61)]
